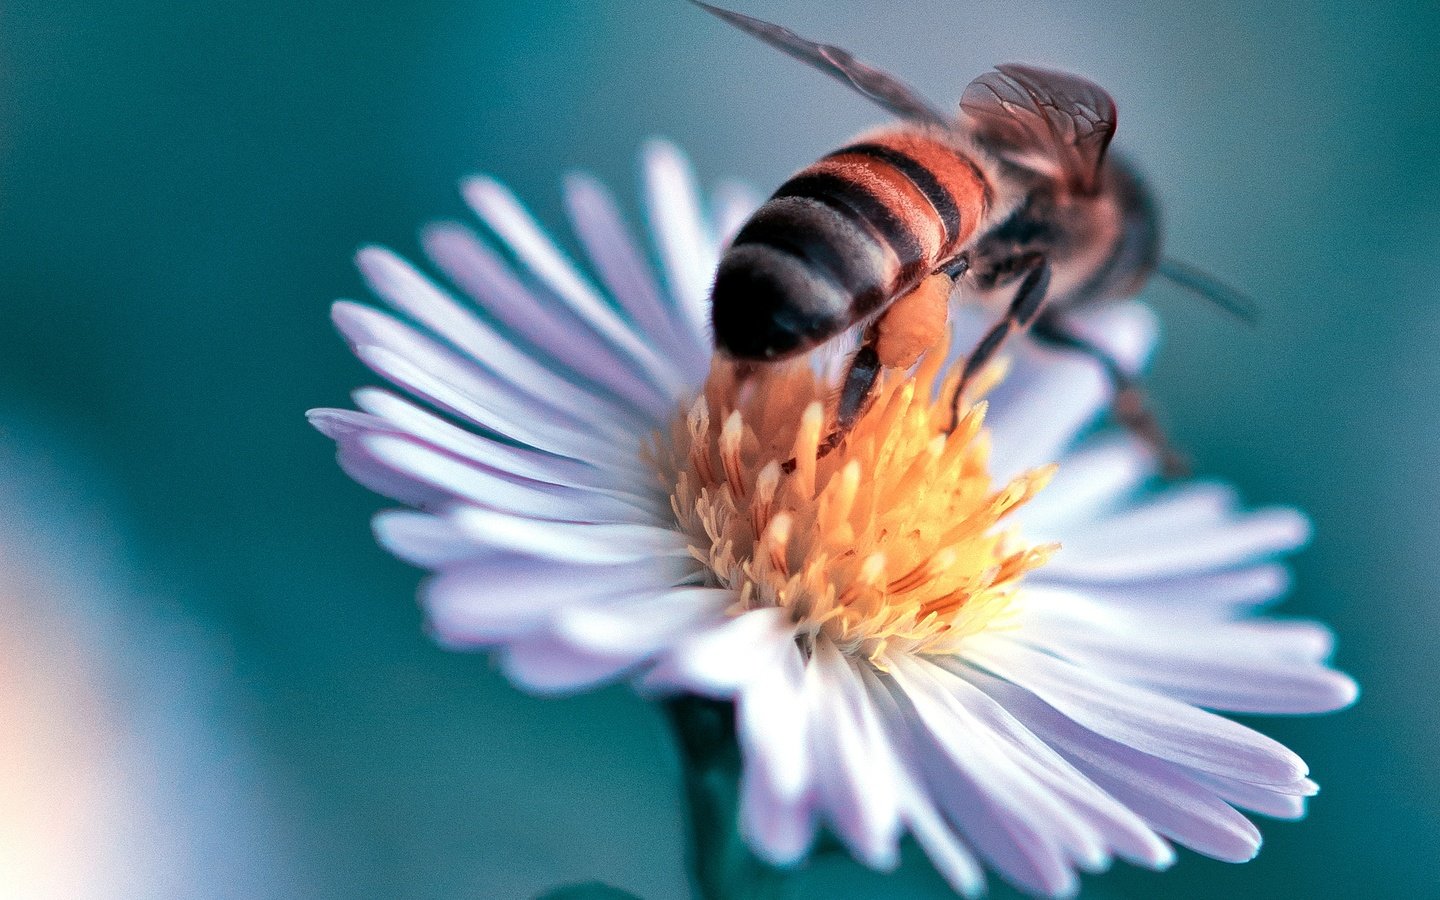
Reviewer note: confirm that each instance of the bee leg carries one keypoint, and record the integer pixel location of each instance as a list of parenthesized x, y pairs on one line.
[(855, 390), (908, 329), (855, 395), (1023, 309), (956, 267), (1132, 407)]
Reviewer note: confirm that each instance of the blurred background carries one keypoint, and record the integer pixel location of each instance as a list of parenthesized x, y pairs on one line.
[(214, 683)]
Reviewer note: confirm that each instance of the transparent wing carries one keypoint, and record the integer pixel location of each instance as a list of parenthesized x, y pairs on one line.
[(881, 87), (1046, 120)]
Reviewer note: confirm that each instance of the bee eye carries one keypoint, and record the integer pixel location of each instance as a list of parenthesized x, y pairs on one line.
[(769, 305)]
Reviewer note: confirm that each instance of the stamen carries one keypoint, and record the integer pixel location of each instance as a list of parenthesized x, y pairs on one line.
[(699, 425), (871, 576), (923, 572), (839, 498), (730, 454), (774, 543), (807, 443), (765, 484), (893, 541)]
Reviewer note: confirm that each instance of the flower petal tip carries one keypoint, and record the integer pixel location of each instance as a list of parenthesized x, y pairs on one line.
[(660, 150)]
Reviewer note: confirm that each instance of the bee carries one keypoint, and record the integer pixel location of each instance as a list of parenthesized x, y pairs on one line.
[(1016, 199)]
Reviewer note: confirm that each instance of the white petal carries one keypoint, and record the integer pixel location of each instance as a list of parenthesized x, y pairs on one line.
[(500, 595), (856, 769), (1139, 718), (1089, 483), (422, 539), (1122, 829), (338, 424), (688, 251), (566, 341), (1257, 799), (947, 851), (400, 416), (1020, 828), (349, 428), (640, 624), (584, 645), (1170, 629), (544, 664), (357, 462), (401, 285), (420, 365), (1165, 795), (770, 712), (1126, 330), (1243, 539), (1040, 408), (1223, 594), (366, 327), (484, 487), (493, 203), (628, 276), (430, 380), (1179, 511), (1245, 686), (566, 542), (951, 858), (734, 203), (1272, 667), (778, 827), (716, 662)]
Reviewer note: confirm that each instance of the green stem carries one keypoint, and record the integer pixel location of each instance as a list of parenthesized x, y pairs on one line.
[(721, 866)]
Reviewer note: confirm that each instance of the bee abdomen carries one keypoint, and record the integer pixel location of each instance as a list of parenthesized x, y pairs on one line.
[(916, 196), (831, 245), (840, 240), (792, 278)]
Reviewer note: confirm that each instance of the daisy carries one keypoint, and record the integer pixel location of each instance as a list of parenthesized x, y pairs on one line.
[(1010, 642)]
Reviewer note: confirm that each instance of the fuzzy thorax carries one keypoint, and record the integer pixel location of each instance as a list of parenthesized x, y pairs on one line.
[(894, 541)]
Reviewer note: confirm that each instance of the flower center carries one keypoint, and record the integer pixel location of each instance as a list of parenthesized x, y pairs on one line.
[(892, 541)]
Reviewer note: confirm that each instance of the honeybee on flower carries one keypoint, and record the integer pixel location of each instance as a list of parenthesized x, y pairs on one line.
[(1009, 640)]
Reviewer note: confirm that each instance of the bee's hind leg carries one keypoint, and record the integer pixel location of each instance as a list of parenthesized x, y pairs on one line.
[(856, 389), (896, 339), (855, 393), (904, 332), (1132, 406)]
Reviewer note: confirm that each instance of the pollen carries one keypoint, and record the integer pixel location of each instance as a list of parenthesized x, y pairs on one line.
[(898, 539)]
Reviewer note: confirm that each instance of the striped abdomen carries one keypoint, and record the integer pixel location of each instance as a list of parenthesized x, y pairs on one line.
[(842, 239)]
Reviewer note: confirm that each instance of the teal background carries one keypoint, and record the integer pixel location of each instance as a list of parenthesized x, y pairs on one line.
[(181, 189)]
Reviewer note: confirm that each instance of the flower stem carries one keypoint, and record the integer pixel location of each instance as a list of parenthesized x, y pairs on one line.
[(721, 866)]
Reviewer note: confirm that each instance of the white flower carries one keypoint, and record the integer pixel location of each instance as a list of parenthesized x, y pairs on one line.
[(907, 648)]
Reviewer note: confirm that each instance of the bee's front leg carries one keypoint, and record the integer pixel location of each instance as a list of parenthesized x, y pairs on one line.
[(1024, 307)]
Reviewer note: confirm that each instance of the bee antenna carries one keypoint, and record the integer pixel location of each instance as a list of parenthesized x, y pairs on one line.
[(1203, 284)]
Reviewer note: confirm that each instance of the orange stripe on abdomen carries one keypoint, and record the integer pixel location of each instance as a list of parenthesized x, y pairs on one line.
[(869, 220), (956, 190), (915, 233)]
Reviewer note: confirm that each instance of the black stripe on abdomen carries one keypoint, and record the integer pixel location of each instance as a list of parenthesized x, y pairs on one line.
[(830, 243), (921, 177), (868, 213)]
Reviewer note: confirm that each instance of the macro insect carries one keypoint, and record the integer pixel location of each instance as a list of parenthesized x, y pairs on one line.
[(1015, 201)]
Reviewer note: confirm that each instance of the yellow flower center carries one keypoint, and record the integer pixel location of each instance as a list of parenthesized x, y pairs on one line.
[(893, 541)]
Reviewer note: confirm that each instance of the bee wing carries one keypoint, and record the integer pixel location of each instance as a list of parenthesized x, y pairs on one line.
[(1048, 121), (881, 87)]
